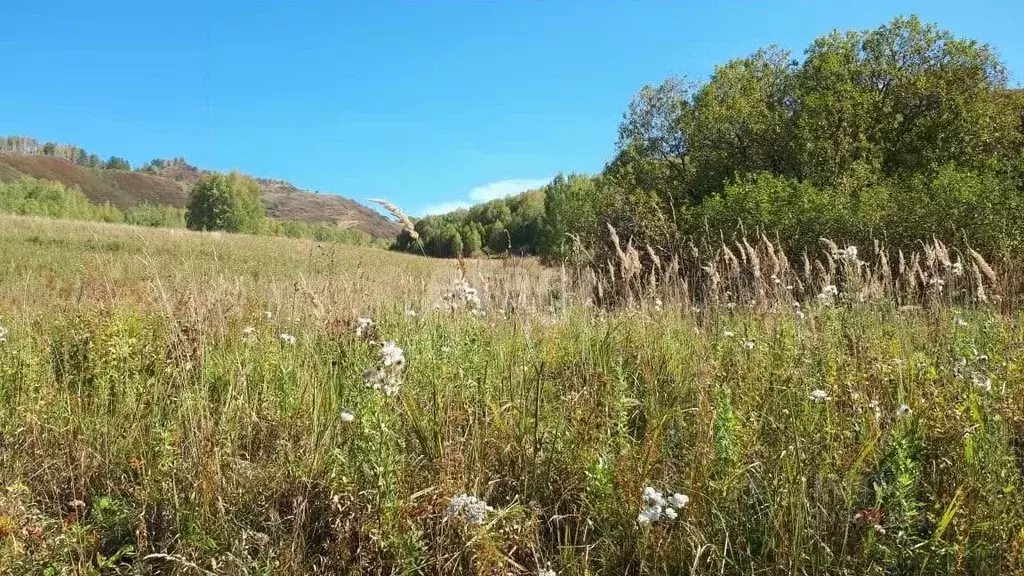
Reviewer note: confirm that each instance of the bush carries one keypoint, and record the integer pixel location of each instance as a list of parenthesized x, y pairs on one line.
[(232, 202), (33, 197), (155, 216)]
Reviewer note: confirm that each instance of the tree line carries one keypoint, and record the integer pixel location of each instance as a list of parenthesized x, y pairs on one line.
[(30, 146), (899, 133), (225, 202)]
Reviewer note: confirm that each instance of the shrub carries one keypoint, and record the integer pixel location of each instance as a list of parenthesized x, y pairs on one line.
[(231, 202)]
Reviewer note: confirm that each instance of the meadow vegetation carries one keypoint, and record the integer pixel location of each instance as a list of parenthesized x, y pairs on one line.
[(174, 402), (698, 381)]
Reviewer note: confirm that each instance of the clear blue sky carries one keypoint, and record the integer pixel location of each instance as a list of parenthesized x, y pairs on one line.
[(425, 103)]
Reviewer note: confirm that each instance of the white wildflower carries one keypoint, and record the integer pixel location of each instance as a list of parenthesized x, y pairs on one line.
[(389, 382), (649, 514), (828, 291), (462, 295), (364, 327), (268, 315), (547, 571), (347, 416), (819, 395), (392, 355), (652, 496), (410, 313), (679, 500), (903, 410), (472, 509), (728, 333), (958, 321), (286, 338), (3, 334), (657, 304), (748, 344), (670, 514), (799, 314), (983, 384), (849, 254)]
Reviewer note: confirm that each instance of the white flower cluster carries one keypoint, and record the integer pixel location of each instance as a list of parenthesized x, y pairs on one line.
[(656, 506), (470, 508), (819, 395), (286, 339), (848, 254), (364, 328), (974, 370), (462, 296), (387, 377), (3, 334), (828, 292)]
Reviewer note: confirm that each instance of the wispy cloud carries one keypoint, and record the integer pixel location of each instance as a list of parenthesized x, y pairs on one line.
[(444, 208), (486, 193), (503, 188)]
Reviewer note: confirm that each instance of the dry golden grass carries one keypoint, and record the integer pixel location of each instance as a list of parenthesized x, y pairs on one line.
[(155, 419)]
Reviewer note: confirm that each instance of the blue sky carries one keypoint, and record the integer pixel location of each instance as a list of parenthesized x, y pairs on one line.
[(430, 104)]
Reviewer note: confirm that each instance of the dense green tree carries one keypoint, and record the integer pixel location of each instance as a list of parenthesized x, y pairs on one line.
[(230, 202), (116, 163), (471, 242), (905, 98), (571, 213)]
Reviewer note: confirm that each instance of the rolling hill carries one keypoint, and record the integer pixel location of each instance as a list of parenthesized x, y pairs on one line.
[(171, 183)]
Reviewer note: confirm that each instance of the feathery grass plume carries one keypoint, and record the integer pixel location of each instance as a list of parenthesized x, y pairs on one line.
[(672, 271), (655, 260), (913, 272), (655, 267), (979, 284), (885, 271), (984, 267), (633, 266), (742, 253), (753, 260), (694, 252), (832, 246), (943, 253), (713, 281), (773, 260), (825, 276), (930, 256), (732, 263), (831, 265), (395, 211), (808, 271)]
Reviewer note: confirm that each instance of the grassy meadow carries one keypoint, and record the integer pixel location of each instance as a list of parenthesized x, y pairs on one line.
[(183, 403)]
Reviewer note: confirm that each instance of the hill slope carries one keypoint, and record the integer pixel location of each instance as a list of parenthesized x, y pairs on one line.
[(170, 185)]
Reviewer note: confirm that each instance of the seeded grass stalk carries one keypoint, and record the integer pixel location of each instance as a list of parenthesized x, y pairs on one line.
[(153, 420)]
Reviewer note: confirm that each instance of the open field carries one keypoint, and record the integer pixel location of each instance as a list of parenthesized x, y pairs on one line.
[(183, 403)]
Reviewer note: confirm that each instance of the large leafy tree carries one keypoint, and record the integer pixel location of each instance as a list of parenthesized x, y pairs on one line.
[(230, 202), (905, 98)]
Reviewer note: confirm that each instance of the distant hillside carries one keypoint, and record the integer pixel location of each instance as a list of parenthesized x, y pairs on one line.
[(169, 183)]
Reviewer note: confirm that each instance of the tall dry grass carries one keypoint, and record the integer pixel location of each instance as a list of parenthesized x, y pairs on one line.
[(155, 419)]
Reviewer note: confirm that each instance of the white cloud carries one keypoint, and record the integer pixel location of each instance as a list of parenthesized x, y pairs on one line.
[(503, 188), (486, 193), (444, 208)]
